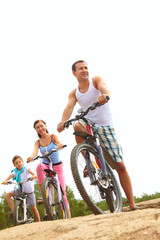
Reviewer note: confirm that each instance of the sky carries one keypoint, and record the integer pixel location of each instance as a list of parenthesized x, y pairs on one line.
[(119, 40)]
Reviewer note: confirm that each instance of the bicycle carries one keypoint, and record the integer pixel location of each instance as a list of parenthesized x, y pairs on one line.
[(52, 193), (100, 190), (22, 213)]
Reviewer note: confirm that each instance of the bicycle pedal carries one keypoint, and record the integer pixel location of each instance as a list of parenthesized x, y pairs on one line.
[(45, 218), (40, 202), (85, 175)]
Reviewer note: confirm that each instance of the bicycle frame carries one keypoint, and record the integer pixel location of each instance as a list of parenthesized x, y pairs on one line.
[(52, 174), (98, 163)]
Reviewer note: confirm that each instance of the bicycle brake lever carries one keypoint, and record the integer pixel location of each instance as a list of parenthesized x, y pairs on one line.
[(66, 124), (35, 158), (96, 104)]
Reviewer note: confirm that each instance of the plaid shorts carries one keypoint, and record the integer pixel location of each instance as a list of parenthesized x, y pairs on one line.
[(112, 151)]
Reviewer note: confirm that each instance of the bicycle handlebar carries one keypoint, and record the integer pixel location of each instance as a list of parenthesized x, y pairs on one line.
[(83, 113), (10, 182), (48, 154)]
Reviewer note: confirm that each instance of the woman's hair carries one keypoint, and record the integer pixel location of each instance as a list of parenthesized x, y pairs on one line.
[(34, 125), (15, 158)]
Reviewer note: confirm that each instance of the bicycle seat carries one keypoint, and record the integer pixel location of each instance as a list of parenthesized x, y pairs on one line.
[(50, 172), (88, 137)]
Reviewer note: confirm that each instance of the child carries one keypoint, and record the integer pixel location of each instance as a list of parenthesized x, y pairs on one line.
[(21, 173)]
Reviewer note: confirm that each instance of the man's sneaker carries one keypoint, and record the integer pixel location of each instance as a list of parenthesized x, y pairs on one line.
[(85, 172)]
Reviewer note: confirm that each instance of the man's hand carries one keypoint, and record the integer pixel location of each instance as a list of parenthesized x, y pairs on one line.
[(60, 126), (102, 99)]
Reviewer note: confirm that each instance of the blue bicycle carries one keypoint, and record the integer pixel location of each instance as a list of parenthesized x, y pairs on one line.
[(100, 190)]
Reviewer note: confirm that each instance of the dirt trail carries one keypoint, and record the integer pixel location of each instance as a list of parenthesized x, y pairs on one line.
[(141, 224)]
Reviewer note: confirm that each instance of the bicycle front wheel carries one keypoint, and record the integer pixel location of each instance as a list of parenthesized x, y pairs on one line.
[(101, 196), (55, 209), (19, 217), (18, 213)]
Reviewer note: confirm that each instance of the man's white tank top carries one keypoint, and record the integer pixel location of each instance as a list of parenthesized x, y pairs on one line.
[(101, 115)]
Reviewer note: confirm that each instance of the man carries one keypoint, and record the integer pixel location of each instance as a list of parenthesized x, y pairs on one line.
[(87, 92)]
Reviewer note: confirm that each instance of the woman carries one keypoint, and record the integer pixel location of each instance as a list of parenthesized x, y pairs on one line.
[(46, 143)]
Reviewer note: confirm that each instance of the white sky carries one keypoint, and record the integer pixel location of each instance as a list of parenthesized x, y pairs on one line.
[(120, 41)]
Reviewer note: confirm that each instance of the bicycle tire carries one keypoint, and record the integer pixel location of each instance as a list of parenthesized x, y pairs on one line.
[(29, 215), (18, 214), (92, 194), (54, 209)]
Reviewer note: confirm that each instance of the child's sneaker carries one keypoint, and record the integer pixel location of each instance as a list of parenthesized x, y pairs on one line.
[(10, 215)]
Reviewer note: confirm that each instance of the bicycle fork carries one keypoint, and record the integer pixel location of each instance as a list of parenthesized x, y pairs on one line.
[(24, 204), (89, 164)]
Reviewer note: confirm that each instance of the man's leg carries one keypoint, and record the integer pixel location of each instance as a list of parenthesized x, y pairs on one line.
[(79, 127), (126, 183)]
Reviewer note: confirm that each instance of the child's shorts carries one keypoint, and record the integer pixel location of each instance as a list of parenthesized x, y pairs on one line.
[(31, 199)]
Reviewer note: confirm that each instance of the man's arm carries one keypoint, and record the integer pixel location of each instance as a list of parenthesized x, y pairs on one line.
[(101, 85), (68, 110)]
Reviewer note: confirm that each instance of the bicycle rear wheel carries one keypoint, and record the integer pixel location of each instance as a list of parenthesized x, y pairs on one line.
[(103, 195), (54, 209)]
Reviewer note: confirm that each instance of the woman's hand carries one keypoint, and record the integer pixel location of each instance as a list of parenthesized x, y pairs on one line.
[(29, 159), (59, 146)]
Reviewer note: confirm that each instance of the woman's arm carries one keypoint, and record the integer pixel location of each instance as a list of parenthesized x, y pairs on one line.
[(35, 151), (57, 141)]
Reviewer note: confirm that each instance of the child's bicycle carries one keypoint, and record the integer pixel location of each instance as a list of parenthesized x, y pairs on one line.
[(52, 192), (22, 213), (100, 188)]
